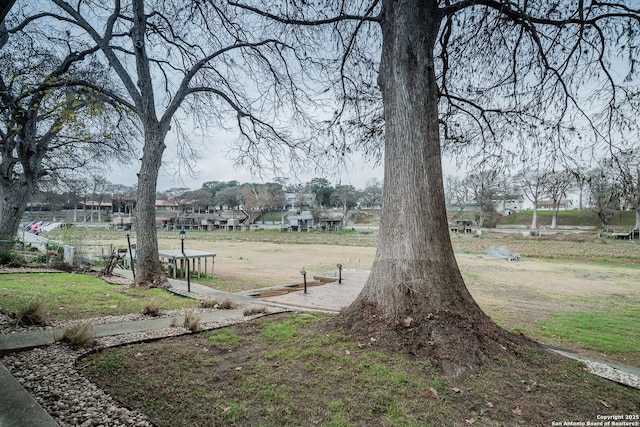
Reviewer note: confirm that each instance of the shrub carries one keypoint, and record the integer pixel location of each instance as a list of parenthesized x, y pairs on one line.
[(55, 249), (10, 258), (209, 303), (39, 259), (225, 304), (5, 257), (80, 335), (191, 320), (152, 308), (30, 313), (253, 310)]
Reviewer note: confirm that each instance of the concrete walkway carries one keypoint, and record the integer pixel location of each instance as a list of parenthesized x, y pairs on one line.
[(328, 297), (32, 339)]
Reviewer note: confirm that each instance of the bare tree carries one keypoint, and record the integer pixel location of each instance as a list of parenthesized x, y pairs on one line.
[(372, 193), (486, 185), (581, 181), (100, 187), (627, 169), (49, 126), (204, 61), (76, 189), (274, 194), (604, 192), (556, 185), (345, 197), (452, 72), (531, 180), (460, 193), (250, 196)]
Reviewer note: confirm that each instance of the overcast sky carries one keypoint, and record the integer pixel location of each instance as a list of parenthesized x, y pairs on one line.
[(216, 165)]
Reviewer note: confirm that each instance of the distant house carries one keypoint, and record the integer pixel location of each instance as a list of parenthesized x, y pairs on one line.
[(166, 205), (508, 203), (330, 219), (297, 200), (548, 204), (123, 204), (300, 221)]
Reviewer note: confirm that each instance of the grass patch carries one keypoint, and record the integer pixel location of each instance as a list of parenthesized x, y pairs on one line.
[(110, 366), (67, 296), (224, 339), (288, 329), (321, 378), (615, 332)]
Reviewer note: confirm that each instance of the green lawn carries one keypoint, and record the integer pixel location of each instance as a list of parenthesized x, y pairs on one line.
[(615, 332), (75, 296), (572, 218), (288, 370)]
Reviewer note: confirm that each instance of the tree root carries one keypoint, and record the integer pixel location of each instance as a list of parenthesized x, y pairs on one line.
[(457, 343)]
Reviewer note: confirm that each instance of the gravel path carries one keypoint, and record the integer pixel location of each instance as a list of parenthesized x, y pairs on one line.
[(50, 375)]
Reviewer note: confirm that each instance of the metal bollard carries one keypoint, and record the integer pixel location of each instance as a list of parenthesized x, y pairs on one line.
[(304, 277)]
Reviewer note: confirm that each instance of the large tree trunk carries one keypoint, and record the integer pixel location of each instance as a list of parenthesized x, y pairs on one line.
[(148, 268), (14, 197), (19, 176), (415, 294)]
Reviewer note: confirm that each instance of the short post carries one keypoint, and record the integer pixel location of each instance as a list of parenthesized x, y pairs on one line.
[(182, 236), (339, 273), (304, 278), (133, 268)]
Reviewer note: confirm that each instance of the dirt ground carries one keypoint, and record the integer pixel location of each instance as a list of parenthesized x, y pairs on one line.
[(523, 289), (261, 264), (524, 293)]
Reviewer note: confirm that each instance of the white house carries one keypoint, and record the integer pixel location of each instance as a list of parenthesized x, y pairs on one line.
[(508, 203)]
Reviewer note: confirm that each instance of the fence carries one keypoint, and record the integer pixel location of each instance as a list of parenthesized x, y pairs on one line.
[(33, 247)]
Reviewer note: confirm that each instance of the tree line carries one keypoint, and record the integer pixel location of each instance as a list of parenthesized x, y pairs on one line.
[(612, 185), (317, 193)]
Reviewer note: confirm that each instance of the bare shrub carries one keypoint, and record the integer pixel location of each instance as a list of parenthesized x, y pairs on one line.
[(152, 308), (30, 313), (209, 303), (191, 320), (225, 304), (253, 310), (79, 335)]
